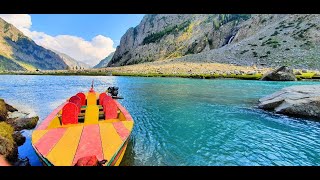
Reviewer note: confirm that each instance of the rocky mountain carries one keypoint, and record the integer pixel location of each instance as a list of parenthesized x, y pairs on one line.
[(72, 63), (104, 62), (18, 52), (241, 39)]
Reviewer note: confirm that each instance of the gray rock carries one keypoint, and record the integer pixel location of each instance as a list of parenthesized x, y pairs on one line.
[(3, 110), (283, 73), (19, 138), (295, 101), (10, 108), (297, 73), (23, 123), (17, 114), (8, 149), (251, 73), (23, 162)]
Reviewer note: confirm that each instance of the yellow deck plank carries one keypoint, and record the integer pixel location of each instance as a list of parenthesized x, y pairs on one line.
[(91, 99), (111, 141), (92, 115), (37, 134), (54, 123), (109, 121), (128, 125), (63, 152)]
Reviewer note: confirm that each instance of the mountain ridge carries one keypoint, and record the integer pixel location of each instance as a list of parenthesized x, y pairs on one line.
[(249, 40), (104, 62), (19, 52), (71, 62)]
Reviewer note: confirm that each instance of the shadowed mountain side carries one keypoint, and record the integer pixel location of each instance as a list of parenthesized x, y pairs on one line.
[(20, 52)]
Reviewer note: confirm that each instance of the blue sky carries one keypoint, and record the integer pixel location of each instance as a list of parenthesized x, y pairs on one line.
[(87, 38), (86, 26)]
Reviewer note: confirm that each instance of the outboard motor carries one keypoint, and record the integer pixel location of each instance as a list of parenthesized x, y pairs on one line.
[(113, 90)]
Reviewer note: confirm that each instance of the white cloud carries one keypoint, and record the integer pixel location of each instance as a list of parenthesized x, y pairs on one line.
[(89, 52), (18, 20)]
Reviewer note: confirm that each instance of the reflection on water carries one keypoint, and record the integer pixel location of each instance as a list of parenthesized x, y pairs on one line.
[(184, 121)]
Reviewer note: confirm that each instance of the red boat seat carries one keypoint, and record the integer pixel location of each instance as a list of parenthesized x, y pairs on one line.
[(110, 109), (101, 97), (77, 101), (106, 100), (82, 96), (70, 114)]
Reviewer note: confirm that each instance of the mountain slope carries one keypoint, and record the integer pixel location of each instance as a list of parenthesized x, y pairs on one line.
[(166, 36), (266, 40), (271, 40), (104, 62), (72, 63), (18, 52)]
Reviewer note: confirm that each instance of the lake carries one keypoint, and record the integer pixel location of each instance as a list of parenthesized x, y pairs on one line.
[(183, 122)]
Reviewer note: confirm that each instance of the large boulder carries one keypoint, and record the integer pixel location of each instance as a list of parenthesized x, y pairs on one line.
[(300, 101), (3, 110), (10, 108), (19, 138), (23, 123), (283, 73), (8, 147)]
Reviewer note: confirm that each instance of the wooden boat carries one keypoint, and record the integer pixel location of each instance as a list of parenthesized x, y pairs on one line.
[(87, 124)]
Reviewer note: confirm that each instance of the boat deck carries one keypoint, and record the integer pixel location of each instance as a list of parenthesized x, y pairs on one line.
[(61, 144), (64, 146)]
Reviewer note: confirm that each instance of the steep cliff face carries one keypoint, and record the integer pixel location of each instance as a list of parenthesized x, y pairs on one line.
[(267, 40), (18, 52), (104, 62), (161, 36)]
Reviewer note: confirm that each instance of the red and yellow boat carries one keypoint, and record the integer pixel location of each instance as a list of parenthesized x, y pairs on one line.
[(86, 125)]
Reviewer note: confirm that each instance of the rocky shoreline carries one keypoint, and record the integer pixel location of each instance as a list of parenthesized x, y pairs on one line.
[(176, 69), (12, 122)]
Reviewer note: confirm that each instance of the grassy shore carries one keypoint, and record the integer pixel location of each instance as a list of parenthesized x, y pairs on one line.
[(173, 69)]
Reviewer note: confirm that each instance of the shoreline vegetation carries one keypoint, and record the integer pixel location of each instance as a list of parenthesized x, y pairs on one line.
[(12, 122), (174, 69)]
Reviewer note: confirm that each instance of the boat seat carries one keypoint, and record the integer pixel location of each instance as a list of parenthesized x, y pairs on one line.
[(69, 114), (77, 101), (110, 110), (101, 97), (82, 96), (106, 100)]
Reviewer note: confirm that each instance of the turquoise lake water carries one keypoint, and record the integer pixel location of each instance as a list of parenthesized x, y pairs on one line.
[(182, 122)]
